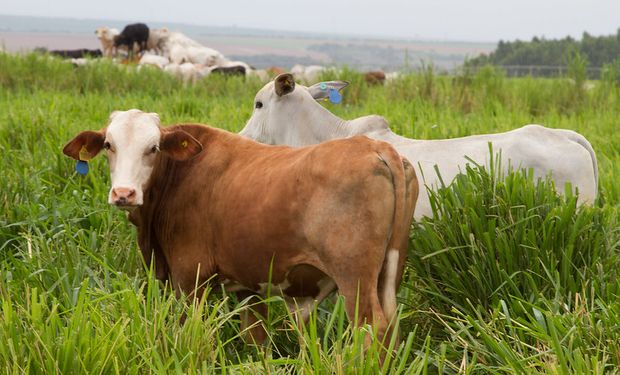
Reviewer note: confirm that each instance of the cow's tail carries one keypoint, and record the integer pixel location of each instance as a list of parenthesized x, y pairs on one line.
[(396, 252), (583, 142)]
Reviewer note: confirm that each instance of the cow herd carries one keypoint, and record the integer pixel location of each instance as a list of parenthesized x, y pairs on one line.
[(300, 202), (185, 58), (170, 51)]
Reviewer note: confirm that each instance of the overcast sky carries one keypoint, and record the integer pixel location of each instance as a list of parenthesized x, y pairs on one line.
[(476, 20)]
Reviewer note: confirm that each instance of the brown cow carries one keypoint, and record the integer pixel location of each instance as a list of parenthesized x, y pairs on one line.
[(275, 71), (208, 202), (376, 77)]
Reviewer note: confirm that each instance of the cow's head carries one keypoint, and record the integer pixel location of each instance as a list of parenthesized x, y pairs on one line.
[(284, 112), (133, 141)]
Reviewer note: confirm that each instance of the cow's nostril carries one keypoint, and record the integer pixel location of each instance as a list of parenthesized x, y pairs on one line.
[(123, 196)]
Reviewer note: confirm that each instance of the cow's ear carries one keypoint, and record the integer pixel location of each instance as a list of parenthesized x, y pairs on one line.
[(284, 84), (179, 145), (321, 90), (85, 145)]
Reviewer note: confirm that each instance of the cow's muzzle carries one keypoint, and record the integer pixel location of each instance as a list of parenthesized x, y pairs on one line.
[(124, 196)]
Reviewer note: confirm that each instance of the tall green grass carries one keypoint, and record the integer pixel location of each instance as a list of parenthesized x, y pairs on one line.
[(507, 277)]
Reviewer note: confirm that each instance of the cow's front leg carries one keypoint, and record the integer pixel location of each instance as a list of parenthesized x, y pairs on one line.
[(252, 329)]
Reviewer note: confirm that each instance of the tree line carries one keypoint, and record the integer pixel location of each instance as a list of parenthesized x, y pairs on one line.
[(597, 50)]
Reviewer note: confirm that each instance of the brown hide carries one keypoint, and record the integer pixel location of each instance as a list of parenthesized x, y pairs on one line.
[(376, 77)]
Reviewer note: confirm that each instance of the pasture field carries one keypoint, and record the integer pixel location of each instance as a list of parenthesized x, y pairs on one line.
[(506, 278)]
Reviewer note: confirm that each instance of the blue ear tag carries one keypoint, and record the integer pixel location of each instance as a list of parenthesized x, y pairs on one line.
[(81, 167), (334, 96), (323, 86)]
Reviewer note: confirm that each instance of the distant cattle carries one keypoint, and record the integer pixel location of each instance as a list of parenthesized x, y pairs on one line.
[(237, 70), (294, 118), (158, 39), (176, 38), (392, 77), (307, 74), (106, 36), (133, 34), (212, 206), (275, 71), (376, 77), (195, 55), (154, 60), (76, 53)]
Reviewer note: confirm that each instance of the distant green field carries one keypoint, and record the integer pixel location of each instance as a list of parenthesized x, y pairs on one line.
[(507, 278)]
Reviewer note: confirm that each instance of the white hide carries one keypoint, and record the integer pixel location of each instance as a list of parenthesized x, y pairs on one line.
[(180, 39), (158, 39), (296, 119), (392, 76), (132, 135), (79, 61), (196, 55), (173, 69), (189, 72), (155, 60)]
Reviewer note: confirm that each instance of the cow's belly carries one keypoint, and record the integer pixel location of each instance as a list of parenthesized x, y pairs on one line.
[(299, 282)]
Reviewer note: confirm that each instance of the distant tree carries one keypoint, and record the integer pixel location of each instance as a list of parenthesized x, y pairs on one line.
[(596, 50)]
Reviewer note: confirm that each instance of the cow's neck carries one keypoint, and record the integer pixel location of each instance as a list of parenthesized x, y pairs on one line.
[(164, 180), (327, 125)]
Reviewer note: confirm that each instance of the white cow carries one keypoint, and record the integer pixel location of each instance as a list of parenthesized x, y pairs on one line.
[(176, 38), (155, 60), (158, 39), (307, 74), (285, 113), (106, 37), (196, 55)]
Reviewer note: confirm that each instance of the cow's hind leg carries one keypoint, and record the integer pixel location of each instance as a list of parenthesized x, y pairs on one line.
[(362, 300)]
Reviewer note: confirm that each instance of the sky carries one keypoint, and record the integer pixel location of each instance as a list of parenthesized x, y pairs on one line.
[(473, 20)]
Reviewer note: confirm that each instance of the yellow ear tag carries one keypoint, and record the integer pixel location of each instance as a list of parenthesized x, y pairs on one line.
[(84, 155), (184, 144)]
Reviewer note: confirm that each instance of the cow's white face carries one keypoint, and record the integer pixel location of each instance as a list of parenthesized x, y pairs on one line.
[(133, 140), (286, 113), (132, 143), (102, 32)]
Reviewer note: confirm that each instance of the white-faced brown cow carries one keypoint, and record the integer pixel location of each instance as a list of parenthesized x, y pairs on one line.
[(208, 202)]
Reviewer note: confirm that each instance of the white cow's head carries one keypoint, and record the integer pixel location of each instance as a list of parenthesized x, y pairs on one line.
[(133, 141), (286, 113), (105, 33)]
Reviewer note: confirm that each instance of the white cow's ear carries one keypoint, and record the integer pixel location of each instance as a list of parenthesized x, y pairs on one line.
[(320, 90), (114, 114), (155, 117), (284, 84)]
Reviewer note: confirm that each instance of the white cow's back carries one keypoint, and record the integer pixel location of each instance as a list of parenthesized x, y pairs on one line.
[(532, 146)]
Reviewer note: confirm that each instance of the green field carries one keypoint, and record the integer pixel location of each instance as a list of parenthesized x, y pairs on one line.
[(507, 278)]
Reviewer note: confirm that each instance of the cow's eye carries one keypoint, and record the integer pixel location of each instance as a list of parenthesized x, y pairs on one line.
[(106, 145), (258, 105), (154, 149)]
